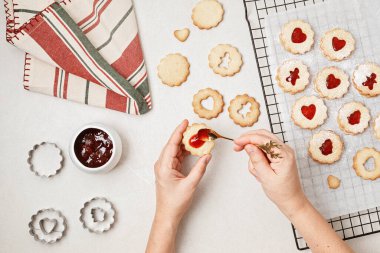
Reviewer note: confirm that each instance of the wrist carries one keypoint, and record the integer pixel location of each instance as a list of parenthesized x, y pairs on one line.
[(167, 220), (294, 206)]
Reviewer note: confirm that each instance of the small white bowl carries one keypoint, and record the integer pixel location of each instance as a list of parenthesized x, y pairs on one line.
[(116, 151)]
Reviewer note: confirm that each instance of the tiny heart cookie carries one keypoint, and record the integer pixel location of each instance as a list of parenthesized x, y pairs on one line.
[(309, 112), (182, 34)]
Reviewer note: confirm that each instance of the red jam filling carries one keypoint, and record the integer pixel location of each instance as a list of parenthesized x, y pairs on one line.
[(198, 139), (327, 147), (338, 44), (332, 82), (294, 75), (354, 118), (370, 82), (93, 147), (298, 36), (309, 111)]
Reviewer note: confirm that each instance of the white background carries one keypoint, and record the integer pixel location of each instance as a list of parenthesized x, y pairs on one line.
[(229, 214)]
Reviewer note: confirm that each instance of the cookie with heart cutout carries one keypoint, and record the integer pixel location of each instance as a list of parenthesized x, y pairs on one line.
[(337, 44), (331, 83), (293, 76), (360, 160), (297, 37), (366, 79), (376, 127), (197, 141), (309, 112), (326, 147), (353, 118)]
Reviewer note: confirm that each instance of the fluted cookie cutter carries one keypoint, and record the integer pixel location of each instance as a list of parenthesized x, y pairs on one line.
[(97, 215), (47, 226), (52, 156)]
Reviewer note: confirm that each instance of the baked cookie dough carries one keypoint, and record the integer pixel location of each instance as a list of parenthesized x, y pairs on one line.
[(353, 118), (326, 147), (337, 44), (331, 83), (297, 37), (376, 127), (196, 143), (204, 94), (360, 159), (292, 76), (333, 182), (366, 79), (237, 104), (309, 112), (182, 34), (225, 52), (174, 69), (207, 14)]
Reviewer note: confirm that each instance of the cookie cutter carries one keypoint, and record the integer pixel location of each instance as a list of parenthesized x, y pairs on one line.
[(47, 226), (97, 215), (36, 170)]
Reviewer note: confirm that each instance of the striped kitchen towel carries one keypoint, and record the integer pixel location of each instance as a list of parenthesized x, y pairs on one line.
[(86, 51)]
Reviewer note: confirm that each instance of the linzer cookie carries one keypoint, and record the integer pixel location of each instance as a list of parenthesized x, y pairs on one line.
[(173, 70), (337, 44), (376, 127), (326, 147), (360, 160), (297, 37), (293, 76), (353, 118), (331, 83), (250, 117), (207, 14), (197, 141), (366, 79), (203, 112), (309, 112)]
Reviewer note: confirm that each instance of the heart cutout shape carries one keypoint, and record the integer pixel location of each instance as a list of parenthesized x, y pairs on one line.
[(338, 44), (48, 225), (309, 111), (332, 82), (298, 36), (354, 118), (327, 147), (370, 82), (98, 214), (182, 34)]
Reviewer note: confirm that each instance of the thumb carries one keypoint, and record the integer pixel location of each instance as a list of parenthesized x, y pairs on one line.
[(198, 170), (259, 161)]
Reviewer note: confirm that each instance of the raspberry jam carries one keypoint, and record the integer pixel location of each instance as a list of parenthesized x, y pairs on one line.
[(338, 44), (294, 75), (332, 82), (309, 111), (198, 139), (93, 147), (370, 82), (298, 36), (327, 147), (354, 118)]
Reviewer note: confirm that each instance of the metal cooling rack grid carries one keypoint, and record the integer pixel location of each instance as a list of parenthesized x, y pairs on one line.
[(347, 226)]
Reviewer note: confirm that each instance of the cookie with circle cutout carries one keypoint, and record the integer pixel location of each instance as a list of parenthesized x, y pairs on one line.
[(174, 69), (353, 118), (309, 112), (225, 60), (360, 160), (331, 83), (333, 182), (207, 14), (376, 127), (366, 79), (293, 76), (337, 44), (197, 141), (204, 94), (237, 104), (297, 37), (326, 147)]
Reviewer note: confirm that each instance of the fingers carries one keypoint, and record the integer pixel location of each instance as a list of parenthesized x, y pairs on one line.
[(259, 165), (255, 137), (198, 170), (176, 136)]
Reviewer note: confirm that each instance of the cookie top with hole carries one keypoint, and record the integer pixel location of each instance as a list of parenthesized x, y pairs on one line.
[(195, 142), (366, 79), (225, 60), (326, 147), (297, 37), (237, 104), (293, 76), (331, 83), (376, 127), (203, 95), (360, 160), (174, 69), (309, 112), (337, 44), (353, 118), (207, 14)]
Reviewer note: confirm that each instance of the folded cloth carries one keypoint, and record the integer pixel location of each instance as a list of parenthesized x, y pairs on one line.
[(86, 51)]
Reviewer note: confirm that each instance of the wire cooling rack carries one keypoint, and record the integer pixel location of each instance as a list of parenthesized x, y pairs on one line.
[(347, 226)]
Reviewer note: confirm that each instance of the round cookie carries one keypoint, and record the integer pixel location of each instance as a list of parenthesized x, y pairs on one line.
[(331, 83), (297, 37), (293, 76), (191, 137), (337, 44), (174, 69), (207, 14), (376, 127), (326, 147), (353, 118), (333, 182), (360, 159), (366, 79), (237, 104), (309, 112), (217, 105), (218, 53)]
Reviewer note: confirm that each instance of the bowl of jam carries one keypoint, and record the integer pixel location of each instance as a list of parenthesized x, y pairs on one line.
[(95, 148)]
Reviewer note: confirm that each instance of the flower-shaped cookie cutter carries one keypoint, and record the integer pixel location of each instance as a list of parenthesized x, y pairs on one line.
[(98, 215), (43, 172), (47, 226)]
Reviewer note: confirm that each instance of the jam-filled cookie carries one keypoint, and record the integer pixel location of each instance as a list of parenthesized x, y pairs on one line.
[(309, 112), (197, 141), (297, 37), (326, 147), (337, 44), (293, 76), (331, 83), (333, 182), (360, 160), (376, 127), (353, 118), (366, 79)]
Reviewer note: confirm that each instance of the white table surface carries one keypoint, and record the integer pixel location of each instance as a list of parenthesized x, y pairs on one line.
[(230, 213)]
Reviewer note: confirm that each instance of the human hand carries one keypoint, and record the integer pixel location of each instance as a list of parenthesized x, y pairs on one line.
[(278, 176)]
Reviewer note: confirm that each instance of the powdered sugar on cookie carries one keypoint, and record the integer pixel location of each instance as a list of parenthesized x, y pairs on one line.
[(293, 76), (337, 44), (331, 83), (353, 118), (376, 127), (366, 79), (326, 147), (297, 37), (309, 112)]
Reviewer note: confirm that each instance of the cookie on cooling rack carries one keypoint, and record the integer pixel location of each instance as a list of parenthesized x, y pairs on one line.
[(333, 182), (292, 76), (353, 118), (331, 83), (376, 127), (297, 37), (326, 147), (366, 79), (360, 160), (309, 112), (337, 44)]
